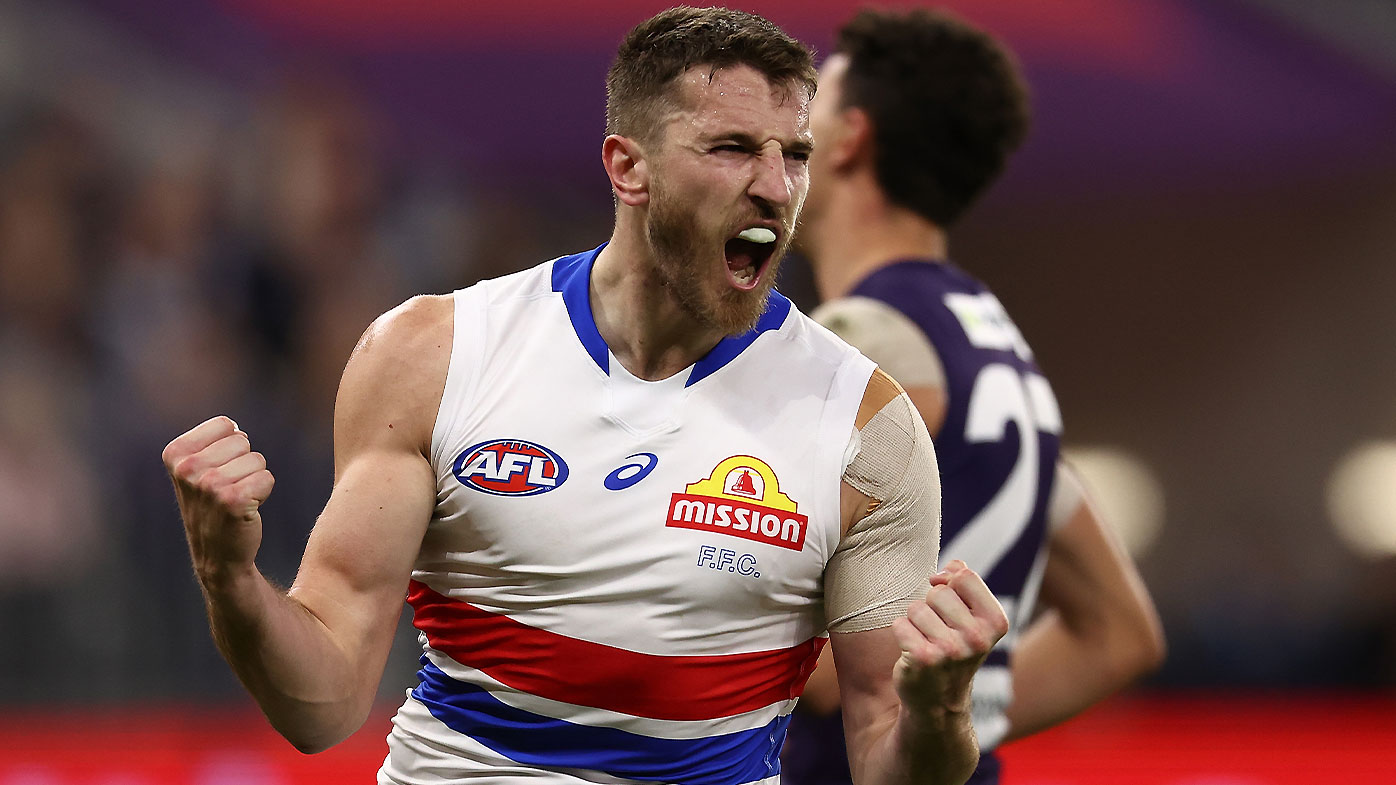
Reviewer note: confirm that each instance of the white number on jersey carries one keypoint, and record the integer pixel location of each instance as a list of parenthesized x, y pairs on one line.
[(1001, 395)]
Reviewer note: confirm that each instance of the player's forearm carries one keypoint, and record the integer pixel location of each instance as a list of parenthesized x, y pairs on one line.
[(1056, 676), (286, 658), (1058, 671), (926, 748)]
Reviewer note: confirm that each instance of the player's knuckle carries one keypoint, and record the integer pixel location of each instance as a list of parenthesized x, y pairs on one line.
[(916, 649), (944, 601), (954, 648), (229, 496), (1000, 625), (260, 483), (189, 468), (931, 654), (211, 480), (922, 615), (975, 640)]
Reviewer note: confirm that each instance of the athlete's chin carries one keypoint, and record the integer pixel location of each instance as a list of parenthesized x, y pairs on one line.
[(731, 320), (737, 311)]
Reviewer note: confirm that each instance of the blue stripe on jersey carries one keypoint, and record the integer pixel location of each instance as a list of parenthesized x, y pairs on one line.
[(777, 308), (536, 740), (572, 277)]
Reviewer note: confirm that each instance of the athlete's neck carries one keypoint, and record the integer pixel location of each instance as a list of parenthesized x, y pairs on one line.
[(644, 327), (859, 231)]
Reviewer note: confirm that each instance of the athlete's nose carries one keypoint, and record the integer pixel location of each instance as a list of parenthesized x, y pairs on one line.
[(772, 181)]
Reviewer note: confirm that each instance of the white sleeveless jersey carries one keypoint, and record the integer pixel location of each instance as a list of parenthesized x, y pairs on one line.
[(623, 579)]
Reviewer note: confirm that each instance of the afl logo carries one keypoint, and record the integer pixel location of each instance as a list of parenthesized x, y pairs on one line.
[(509, 467)]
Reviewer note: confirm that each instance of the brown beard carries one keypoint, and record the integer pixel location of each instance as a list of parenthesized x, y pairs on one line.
[(679, 245)]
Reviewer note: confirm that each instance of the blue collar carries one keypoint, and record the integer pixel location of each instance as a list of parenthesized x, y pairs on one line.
[(572, 277)]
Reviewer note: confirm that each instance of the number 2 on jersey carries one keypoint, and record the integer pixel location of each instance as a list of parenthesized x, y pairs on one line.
[(1002, 395)]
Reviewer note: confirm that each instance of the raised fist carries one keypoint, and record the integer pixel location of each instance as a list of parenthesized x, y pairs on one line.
[(220, 483), (944, 638)]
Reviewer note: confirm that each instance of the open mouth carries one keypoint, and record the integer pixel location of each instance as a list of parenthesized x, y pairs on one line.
[(747, 255)]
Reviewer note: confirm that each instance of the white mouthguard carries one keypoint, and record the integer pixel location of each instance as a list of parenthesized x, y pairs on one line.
[(757, 234)]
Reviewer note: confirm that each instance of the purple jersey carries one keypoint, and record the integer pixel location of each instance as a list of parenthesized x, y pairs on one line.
[(997, 449)]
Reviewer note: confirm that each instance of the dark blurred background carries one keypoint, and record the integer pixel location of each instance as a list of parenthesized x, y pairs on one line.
[(202, 205)]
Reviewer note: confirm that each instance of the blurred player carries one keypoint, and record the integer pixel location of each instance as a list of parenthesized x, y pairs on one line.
[(625, 492), (916, 115)]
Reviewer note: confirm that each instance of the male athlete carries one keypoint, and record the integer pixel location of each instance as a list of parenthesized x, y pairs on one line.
[(916, 115), (626, 492)]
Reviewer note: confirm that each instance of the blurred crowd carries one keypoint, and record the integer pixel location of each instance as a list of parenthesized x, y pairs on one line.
[(136, 300), (143, 291)]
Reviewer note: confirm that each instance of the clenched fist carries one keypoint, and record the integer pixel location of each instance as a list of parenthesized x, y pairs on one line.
[(944, 638), (220, 483)]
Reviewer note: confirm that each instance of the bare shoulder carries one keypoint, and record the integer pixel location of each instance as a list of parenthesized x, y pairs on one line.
[(880, 391), (393, 382), (886, 336), (420, 323)]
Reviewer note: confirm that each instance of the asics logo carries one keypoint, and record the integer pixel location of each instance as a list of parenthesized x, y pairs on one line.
[(636, 467)]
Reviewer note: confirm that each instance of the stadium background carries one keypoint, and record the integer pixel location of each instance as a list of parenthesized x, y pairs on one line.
[(202, 204)]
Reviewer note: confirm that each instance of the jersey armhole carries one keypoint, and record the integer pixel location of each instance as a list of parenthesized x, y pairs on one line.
[(836, 428), (462, 375)]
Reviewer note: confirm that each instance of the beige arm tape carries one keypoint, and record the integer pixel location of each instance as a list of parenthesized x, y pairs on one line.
[(886, 557)]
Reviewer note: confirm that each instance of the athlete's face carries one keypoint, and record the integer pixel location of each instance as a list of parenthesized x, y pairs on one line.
[(826, 125), (733, 158)]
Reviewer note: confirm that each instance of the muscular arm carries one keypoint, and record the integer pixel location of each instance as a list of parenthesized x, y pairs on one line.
[(905, 688), (901, 350), (1099, 631), (312, 657)]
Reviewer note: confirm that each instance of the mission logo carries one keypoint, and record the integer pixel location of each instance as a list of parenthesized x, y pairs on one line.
[(741, 498), (510, 467)]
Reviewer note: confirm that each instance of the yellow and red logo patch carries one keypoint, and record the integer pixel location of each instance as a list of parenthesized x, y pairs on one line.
[(742, 498)]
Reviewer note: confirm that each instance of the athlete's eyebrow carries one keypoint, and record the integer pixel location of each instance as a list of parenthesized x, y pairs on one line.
[(800, 145)]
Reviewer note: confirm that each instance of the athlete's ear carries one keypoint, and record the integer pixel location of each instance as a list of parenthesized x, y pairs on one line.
[(852, 141), (628, 169)]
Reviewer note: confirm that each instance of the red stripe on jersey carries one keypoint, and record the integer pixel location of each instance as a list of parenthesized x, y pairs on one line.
[(556, 667)]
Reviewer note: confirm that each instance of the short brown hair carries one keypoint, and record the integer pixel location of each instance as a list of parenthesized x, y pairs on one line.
[(660, 49), (946, 101)]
